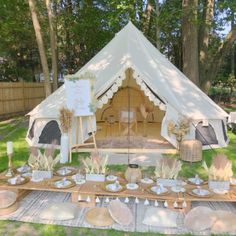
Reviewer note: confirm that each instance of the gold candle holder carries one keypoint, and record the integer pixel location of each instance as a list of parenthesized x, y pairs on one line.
[(10, 172)]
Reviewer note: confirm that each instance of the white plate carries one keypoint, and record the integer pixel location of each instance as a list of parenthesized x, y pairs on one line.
[(201, 192), (113, 187), (23, 169), (111, 178), (219, 191), (159, 190), (64, 171), (177, 190), (193, 180), (14, 180), (131, 186), (146, 181), (62, 183)]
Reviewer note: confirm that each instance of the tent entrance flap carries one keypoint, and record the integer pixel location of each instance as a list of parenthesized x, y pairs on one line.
[(145, 118)]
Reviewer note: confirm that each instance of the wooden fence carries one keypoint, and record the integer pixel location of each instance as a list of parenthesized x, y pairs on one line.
[(19, 97)]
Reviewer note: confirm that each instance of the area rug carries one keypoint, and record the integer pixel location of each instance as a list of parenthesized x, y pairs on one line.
[(133, 142), (32, 205)]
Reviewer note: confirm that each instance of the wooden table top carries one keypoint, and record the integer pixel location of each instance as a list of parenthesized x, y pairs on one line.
[(98, 189), (95, 188)]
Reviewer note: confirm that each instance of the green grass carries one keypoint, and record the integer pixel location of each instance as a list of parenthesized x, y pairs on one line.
[(20, 157)]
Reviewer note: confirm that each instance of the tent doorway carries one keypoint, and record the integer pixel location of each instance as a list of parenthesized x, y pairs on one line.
[(131, 122)]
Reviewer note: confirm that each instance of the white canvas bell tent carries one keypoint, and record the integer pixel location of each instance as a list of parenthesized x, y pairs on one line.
[(161, 82)]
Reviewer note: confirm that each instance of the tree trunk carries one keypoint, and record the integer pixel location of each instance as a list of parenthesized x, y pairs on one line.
[(204, 35), (42, 52), (190, 40), (53, 43), (215, 64), (158, 45), (147, 17), (233, 49)]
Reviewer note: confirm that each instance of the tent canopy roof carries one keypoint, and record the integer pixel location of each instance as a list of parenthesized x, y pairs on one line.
[(130, 49)]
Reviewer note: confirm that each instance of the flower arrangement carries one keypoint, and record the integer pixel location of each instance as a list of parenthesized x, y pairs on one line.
[(65, 118), (43, 161), (179, 129), (220, 169), (95, 164), (168, 168)]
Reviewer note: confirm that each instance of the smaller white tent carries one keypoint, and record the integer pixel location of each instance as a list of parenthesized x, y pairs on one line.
[(164, 85)]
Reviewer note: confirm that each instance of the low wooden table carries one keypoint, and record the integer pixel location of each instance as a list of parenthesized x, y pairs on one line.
[(39, 186), (80, 193)]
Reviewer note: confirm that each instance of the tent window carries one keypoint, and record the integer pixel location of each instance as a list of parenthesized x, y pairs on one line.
[(224, 131), (31, 132), (51, 133), (205, 134)]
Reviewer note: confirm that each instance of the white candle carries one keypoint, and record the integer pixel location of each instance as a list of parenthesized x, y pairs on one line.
[(9, 147)]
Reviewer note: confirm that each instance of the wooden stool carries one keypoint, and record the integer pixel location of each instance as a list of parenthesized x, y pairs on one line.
[(191, 150)]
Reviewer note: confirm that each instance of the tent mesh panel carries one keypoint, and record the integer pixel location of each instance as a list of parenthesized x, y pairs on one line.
[(205, 134), (51, 133)]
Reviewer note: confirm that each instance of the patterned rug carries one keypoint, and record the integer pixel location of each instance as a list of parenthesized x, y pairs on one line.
[(32, 205)]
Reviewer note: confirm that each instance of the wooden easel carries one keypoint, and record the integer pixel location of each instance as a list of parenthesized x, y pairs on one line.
[(79, 129)]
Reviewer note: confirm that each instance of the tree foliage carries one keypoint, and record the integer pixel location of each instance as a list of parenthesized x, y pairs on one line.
[(83, 27)]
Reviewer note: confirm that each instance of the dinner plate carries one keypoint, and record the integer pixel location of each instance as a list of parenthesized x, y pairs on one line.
[(159, 191), (23, 169), (177, 189), (193, 181), (78, 178), (146, 181), (113, 188), (131, 186), (17, 180), (202, 193), (63, 184), (65, 171), (111, 178)]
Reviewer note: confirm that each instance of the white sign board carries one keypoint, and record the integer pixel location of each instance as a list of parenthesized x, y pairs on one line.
[(78, 96)]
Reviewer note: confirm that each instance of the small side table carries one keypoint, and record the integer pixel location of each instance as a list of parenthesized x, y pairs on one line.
[(191, 150)]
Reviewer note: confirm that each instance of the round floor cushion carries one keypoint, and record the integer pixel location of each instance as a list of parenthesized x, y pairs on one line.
[(120, 213), (200, 218), (225, 223), (99, 217), (7, 198)]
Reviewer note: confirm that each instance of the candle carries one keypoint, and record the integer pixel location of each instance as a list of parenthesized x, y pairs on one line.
[(9, 148)]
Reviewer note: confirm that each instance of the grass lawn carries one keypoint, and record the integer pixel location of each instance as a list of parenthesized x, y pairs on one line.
[(14, 131)]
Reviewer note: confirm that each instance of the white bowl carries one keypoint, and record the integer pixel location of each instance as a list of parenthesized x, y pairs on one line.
[(131, 186)]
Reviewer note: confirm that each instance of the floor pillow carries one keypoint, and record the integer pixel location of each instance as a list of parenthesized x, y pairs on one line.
[(200, 218), (120, 213), (7, 198), (59, 211), (225, 223), (160, 217), (99, 216)]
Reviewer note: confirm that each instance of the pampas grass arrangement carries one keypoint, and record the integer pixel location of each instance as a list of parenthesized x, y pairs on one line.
[(180, 129), (168, 168), (65, 118), (95, 164), (220, 169), (43, 161)]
